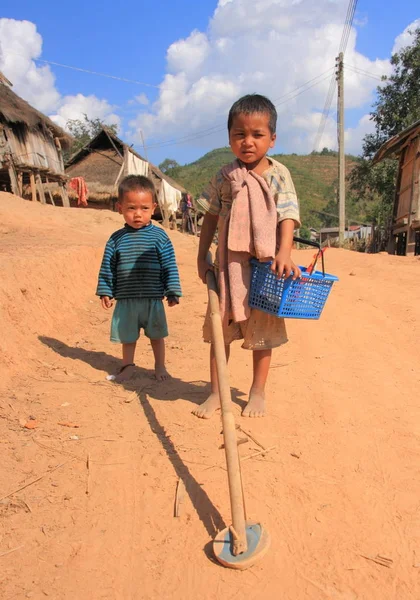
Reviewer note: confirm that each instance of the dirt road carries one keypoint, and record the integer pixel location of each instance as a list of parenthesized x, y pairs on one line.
[(341, 487)]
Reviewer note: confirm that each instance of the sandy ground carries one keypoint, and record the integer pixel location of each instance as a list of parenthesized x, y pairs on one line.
[(96, 521)]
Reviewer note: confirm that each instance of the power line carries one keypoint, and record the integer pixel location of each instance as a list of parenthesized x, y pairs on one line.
[(305, 90), (357, 72), (363, 72), (56, 64), (216, 129), (303, 85), (197, 135), (325, 113), (189, 137), (351, 9), (348, 22)]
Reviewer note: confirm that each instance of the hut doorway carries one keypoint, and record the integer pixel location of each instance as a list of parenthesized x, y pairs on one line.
[(401, 243), (417, 244)]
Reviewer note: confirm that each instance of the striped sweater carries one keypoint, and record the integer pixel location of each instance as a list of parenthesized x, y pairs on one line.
[(139, 263)]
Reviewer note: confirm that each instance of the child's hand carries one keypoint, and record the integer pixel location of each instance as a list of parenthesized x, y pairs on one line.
[(106, 302), (283, 265), (202, 267), (172, 301)]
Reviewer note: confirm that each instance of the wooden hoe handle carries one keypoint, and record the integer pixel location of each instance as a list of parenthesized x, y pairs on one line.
[(239, 542)]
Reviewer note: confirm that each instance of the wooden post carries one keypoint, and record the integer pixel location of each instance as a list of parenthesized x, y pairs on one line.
[(40, 187), (163, 211), (373, 238), (20, 183), (49, 192), (118, 177), (64, 196), (125, 161), (144, 145), (13, 180), (33, 186), (112, 142), (196, 223), (341, 155)]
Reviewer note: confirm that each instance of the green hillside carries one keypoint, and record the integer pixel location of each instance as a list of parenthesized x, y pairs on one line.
[(315, 177)]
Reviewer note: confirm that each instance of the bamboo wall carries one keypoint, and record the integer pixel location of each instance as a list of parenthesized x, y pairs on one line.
[(34, 149), (30, 161)]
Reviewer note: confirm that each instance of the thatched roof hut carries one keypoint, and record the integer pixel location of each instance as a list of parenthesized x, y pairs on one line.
[(103, 162), (30, 146)]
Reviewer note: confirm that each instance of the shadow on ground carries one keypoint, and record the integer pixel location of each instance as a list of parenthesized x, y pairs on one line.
[(145, 387), (174, 389)]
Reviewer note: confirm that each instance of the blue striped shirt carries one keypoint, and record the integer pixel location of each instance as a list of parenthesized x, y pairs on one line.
[(139, 263)]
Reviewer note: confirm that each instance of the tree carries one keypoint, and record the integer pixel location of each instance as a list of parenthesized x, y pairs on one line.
[(83, 130), (304, 233), (325, 152), (167, 164), (398, 103), (397, 106)]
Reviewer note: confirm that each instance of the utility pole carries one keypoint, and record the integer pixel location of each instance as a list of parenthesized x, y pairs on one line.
[(144, 145), (341, 156)]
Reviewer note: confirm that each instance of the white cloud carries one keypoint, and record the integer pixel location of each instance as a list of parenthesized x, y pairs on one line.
[(188, 55), (302, 133), (354, 135), (406, 37), (20, 45), (142, 99), (249, 48), (74, 107)]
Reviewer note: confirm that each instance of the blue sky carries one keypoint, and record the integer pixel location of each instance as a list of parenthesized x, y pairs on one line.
[(208, 65)]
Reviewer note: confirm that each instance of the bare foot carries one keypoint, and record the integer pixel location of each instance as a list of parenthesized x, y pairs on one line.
[(161, 374), (208, 408), (126, 372), (256, 405)]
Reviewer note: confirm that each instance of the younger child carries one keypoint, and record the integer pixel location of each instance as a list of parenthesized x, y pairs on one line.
[(253, 203), (138, 270)]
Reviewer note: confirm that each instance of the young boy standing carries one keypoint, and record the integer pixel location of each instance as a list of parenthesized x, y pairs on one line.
[(138, 270), (253, 203)]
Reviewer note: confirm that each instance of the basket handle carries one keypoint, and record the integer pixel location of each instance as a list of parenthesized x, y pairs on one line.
[(315, 245)]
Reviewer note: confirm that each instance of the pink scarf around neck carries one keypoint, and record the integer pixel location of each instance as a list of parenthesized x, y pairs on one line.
[(249, 229)]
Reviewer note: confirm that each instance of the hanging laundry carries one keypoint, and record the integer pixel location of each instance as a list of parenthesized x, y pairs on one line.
[(135, 165), (78, 184), (169, 198)]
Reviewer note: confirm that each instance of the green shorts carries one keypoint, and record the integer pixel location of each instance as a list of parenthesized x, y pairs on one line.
[(132, 314)]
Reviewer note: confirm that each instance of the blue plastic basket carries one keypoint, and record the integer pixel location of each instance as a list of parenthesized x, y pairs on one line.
[(300, 299)]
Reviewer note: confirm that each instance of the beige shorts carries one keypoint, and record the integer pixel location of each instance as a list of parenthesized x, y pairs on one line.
[(260, 332)]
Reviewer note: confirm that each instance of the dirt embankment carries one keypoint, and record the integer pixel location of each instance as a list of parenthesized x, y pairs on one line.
[(340, 487)]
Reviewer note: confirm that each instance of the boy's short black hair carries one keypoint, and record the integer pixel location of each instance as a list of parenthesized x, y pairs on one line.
[(254, 103), (133, 183)]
